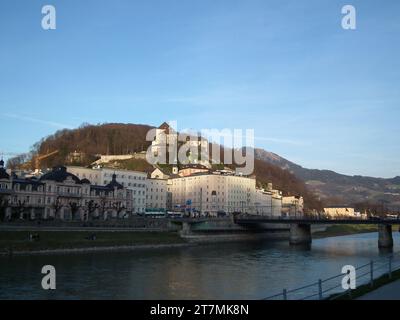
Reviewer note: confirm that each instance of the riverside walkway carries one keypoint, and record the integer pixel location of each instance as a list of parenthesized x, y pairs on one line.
[(390, 291)]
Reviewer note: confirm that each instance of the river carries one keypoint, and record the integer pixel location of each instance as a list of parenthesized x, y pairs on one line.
[(251, 270)]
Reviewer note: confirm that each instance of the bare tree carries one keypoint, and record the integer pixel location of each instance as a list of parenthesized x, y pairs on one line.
[(118, 207), (21, 208), (4, 204), (57, 205), (103, 204), (74, 209), (90, 208)]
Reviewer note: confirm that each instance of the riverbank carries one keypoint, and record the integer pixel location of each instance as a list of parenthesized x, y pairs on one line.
[(17, 242), (52, 242), (366, 288), (344, 230)]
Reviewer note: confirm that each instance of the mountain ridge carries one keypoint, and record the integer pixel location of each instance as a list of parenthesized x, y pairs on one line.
[(124, 138), (336, 187)]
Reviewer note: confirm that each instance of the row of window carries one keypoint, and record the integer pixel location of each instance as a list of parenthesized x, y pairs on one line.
[(156, 190), (135, 185), (139, 192), (156, 197), (156, 206), (139, 201), (123, 176)]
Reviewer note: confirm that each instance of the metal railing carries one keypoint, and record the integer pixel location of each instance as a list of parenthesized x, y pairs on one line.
[(331, 288)]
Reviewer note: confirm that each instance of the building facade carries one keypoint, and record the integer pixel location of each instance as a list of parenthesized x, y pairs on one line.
[(339, 212), (212, 194), (59, 194), (156, 195), (292, 206), (166, 136), (132, 180), (266, 203)]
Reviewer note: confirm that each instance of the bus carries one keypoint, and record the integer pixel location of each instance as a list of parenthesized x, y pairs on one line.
[(155, 213)]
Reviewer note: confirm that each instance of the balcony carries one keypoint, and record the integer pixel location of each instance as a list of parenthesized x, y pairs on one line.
[(6, 191), (69, 195)]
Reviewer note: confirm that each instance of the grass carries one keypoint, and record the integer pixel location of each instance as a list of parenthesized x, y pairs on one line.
[(366, 288), (19, 240), (342, 230), (135, 165)]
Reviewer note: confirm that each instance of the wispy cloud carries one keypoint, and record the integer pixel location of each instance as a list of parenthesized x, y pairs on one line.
[(36, 120)]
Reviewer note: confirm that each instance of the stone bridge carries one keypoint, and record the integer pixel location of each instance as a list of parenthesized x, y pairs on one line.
[(300, 228)]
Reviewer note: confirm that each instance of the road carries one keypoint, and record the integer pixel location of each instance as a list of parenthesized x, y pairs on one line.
[(390, 291)]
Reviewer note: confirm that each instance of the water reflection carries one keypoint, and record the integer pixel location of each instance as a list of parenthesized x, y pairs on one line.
[(220, 271), (386, 251), (301, 247)]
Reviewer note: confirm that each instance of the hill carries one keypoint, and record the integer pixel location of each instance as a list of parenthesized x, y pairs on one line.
[(88, 141), (336, 188)]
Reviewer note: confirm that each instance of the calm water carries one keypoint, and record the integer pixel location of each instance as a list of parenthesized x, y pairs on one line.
[(220, 271)]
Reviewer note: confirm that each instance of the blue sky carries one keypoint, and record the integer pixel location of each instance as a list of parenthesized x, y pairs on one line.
[(316, 94)]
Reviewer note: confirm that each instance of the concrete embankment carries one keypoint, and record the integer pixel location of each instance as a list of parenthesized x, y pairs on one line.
[(95, 249), (72, 241), (225, 230), (217, 237)]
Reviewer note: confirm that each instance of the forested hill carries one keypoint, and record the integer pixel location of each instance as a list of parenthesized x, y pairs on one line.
[(110, 138), (117, 138)]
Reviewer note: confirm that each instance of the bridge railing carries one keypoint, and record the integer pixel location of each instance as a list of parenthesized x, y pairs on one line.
[(331, 288), (314, 219)]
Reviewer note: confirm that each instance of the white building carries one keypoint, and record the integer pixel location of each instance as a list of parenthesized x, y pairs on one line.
[(339, 212), (158, 174), (165, 136), (262, 203), (212, 194), (93, 175), (267, 203), (156, 195), (293, 205), (132, 180)]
